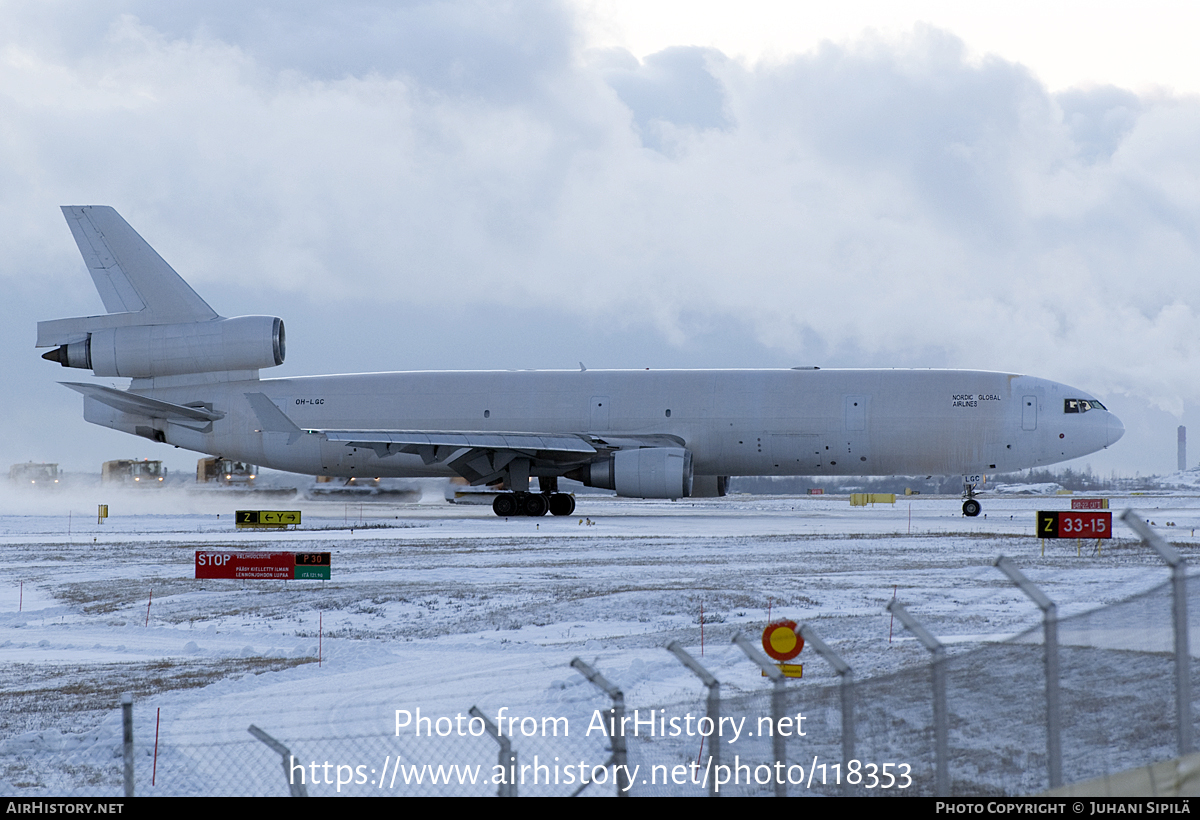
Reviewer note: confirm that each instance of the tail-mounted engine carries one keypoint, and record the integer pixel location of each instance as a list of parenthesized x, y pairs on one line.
[(148, 351)]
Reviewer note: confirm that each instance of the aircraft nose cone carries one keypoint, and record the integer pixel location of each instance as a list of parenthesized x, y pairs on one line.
[(1115, 429)]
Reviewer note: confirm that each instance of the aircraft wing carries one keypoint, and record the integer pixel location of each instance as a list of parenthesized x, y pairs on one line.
[(482, 457), (478, 456), (385, 442)]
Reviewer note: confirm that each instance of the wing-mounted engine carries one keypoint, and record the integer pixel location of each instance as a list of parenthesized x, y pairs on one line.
[(152, 350), (646, 472)]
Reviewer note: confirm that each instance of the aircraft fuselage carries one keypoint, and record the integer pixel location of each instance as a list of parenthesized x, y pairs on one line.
[(734, 422)]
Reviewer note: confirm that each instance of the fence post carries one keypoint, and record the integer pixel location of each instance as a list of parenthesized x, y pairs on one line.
[(127, 733), (507, 756), (1050, 624), (846, 676), (714, 707), (619, 758), (294, 789), (1183, 680), (940, 718), (778, 746)]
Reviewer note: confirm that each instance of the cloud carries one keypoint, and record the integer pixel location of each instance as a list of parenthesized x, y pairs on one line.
[(1099, 119), (468, 171), (673, 89), (491, 49)]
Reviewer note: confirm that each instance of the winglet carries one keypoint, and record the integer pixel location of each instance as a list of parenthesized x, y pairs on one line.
[(272, 419)]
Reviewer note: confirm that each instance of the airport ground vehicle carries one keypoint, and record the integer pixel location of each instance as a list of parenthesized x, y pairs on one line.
[(131, 471)]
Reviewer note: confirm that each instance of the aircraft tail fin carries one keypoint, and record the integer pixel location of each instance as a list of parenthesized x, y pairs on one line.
[(129, 274), (156, 325)]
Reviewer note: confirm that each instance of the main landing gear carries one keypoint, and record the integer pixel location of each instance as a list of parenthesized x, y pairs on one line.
[(533, 504)]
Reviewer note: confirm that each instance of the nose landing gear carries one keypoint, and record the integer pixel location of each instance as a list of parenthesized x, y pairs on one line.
[(971, 507)]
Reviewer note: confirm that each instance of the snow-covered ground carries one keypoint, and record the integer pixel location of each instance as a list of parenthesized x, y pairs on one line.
[(440, 608)]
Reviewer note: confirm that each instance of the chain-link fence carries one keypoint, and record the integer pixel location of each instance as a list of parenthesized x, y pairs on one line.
[(1117, 707)]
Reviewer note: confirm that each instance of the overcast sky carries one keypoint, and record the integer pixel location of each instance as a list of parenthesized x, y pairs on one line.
[(497, 185)]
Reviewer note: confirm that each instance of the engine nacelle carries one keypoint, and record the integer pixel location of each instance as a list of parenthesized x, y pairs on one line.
[(649, 472), (147, 351)]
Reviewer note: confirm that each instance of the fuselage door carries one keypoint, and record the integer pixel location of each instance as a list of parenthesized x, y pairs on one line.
[(599, 417), (1029, 413), (856, 413)]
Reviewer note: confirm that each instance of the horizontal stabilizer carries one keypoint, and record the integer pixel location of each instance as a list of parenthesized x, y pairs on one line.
[(143, 405)]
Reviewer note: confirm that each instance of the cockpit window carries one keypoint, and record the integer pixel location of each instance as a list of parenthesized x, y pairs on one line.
[(1081, 405)]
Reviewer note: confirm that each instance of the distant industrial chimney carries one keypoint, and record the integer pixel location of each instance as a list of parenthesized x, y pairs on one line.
[(1182, 448)]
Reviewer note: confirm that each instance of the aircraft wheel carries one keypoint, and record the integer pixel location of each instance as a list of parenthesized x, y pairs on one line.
[(562, 504), (971, 508), (536, 504), (505, 505)]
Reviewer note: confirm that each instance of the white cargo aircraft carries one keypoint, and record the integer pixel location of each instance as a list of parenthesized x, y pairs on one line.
[(641, 433)]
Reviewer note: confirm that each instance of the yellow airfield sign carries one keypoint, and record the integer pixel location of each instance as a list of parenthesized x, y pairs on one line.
[(268, 519)]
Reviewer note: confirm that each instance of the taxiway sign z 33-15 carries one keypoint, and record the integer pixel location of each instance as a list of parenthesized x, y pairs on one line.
[(641, 433)]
